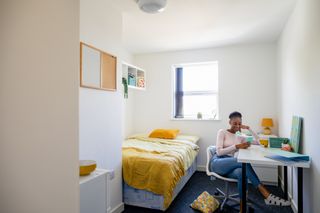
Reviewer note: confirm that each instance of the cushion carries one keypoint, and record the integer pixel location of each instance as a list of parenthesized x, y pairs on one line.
[(205, 203), (164, 133)]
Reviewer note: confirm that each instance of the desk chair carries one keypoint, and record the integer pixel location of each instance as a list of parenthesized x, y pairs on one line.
[(225, 195)]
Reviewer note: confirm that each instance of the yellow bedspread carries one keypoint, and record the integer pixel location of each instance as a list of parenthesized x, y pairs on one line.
[(155, 164)]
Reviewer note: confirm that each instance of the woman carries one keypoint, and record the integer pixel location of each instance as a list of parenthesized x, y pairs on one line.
[(224, 162)]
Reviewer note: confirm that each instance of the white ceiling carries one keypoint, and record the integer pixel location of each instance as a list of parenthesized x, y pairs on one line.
[(194, 24)]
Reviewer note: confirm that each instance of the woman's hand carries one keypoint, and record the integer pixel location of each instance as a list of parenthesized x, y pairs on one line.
[(244, 127), (243, 145)]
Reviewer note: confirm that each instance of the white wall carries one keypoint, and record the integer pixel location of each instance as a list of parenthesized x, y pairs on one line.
[(129, 112), (102, 112), (39, 81), (299, 90), (247, 78)]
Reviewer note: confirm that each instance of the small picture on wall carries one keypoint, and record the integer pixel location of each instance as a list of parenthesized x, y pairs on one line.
[(141, 82)]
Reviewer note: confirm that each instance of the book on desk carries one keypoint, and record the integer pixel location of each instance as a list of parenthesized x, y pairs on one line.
[(286, 157)]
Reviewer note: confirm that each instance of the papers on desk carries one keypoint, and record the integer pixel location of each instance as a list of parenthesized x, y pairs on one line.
[(286, 157)]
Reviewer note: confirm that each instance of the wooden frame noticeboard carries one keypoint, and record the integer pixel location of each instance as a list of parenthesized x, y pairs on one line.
[(98, 70)]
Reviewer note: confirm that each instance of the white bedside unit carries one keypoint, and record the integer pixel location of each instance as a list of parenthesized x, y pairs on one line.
[(94, 192)]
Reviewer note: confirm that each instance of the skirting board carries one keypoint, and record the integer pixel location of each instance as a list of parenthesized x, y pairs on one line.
[(294, 206), (201, 168), (118, 209)]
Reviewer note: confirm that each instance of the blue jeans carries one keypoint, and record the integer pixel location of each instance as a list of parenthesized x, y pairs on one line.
[(229, 167)]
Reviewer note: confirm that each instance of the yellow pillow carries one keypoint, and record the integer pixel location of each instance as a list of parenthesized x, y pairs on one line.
[(164, 133), (205, 203)]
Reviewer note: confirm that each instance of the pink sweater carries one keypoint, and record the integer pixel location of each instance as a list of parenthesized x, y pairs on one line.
[(227, 141)]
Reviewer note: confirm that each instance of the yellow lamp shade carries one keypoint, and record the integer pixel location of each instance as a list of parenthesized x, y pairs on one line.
[(86, 167), (267, 122)]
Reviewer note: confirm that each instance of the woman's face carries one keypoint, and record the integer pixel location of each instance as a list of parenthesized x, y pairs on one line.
[(235, 124)]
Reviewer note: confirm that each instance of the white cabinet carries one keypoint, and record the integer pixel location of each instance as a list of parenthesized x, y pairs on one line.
[(94, 192), (135, 76), (267, 174)]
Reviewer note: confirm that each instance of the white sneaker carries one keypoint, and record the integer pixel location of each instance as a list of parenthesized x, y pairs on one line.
[(277, 201)]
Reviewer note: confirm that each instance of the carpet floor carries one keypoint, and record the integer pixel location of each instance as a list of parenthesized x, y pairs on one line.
[(200, 182)]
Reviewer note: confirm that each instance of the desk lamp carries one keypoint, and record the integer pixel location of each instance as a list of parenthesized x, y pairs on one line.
[(267, 123)]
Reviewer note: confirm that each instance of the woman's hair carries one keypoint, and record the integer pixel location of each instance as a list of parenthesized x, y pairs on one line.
[(235, 115)]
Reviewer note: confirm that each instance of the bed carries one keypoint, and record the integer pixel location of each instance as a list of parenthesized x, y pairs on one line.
[(155, 170)]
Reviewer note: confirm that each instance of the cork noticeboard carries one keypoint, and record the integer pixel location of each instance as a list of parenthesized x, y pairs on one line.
[(98, 69)]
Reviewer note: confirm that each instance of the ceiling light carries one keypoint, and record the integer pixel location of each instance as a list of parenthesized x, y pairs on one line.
[(152, 6)]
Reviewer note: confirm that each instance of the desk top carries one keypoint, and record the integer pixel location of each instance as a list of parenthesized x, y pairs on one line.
[(255, 154)]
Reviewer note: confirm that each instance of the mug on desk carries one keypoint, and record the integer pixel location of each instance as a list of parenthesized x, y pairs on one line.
[(264, 142)]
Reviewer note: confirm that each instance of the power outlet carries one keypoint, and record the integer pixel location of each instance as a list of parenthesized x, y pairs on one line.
[(111, 174)]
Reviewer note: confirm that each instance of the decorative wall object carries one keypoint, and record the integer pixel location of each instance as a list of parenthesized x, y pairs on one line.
[(98, 69), (295, 133)]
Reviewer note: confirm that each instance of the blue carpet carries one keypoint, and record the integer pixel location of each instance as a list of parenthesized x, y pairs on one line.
[(200, 182)]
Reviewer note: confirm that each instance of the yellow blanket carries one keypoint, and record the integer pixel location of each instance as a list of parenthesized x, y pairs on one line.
[(155, 164)]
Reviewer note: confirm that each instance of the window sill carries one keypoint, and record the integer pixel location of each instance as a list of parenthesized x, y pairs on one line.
[(193, 119)]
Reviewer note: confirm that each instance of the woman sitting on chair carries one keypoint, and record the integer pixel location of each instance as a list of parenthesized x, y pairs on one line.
[(224, 162)]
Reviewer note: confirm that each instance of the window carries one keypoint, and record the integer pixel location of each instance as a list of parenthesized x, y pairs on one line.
[(196, 91)]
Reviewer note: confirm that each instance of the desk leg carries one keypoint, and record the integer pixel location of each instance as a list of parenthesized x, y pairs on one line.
[(285, 182), (243, 207), (300, 190), (279, 179)]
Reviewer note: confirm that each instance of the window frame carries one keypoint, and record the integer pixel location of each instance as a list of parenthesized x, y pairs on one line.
[(205, 92)]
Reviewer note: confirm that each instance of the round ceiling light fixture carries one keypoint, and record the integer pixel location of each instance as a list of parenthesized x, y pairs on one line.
[(152, 6)]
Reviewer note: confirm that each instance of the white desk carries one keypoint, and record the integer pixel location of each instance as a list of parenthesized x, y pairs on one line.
[(255, 154)]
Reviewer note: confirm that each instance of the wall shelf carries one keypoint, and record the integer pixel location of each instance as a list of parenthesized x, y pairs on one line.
[(136, 77)]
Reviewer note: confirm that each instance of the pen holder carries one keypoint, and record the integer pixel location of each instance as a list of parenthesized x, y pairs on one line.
[(264, 142)]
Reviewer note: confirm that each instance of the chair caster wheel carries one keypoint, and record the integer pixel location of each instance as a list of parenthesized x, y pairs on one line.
[(216, 193)]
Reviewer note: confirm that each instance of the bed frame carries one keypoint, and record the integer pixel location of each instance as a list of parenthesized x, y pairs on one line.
[(147, 199)]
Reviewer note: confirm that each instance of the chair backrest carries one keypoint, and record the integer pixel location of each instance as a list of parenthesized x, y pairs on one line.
[(209, 156), (210, 151)]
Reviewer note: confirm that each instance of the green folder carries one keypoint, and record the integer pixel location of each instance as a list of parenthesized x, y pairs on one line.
[(277, 142)]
